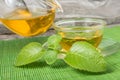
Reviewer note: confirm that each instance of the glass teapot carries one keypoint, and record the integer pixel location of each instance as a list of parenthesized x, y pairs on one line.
[(28, 17)]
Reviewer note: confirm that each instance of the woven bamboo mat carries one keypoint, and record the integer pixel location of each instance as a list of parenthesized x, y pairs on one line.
[(58, 71)]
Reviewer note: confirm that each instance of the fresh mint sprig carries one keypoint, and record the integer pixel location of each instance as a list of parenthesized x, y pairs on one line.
[(84, 56), (30, 53), (35, 51), (81, 55), (51, 56), (53, 42)]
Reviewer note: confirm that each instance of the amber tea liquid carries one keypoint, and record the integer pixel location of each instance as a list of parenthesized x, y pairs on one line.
[(25, 23), (66, 43)]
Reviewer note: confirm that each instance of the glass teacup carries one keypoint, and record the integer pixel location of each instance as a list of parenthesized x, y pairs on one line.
[(27, 17), (80, 29)]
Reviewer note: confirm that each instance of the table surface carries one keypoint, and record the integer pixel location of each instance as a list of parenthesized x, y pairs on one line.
[(6, 34)]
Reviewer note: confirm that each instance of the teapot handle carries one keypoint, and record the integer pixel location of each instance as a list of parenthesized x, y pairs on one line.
[(59, 7)]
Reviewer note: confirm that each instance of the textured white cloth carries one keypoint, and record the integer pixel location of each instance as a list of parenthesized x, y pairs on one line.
[(107, 9)]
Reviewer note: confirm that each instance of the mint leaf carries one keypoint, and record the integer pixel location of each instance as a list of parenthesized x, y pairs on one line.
[(30, 53), (51, 56), (53, 42), (84, 56)]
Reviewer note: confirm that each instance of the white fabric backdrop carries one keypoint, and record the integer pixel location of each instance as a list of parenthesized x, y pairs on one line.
[(107, 9)]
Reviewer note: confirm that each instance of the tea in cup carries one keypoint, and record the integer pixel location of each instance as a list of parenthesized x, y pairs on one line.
[(80, 29)]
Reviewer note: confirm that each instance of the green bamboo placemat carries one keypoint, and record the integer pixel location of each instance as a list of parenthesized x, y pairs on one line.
[(59, 71)]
